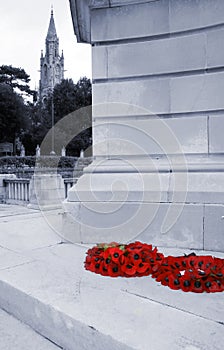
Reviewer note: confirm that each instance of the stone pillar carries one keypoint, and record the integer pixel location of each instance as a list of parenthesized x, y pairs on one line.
[(47, 191), (158, 118), (2, 187)]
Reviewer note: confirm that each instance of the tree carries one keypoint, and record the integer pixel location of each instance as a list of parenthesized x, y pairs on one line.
[(12, 113), (37, 126), (83, 92), (64, 99), (17, 79), (69, 97)]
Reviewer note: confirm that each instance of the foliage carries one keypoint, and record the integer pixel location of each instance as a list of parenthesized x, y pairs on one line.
[(16, 78), (67, 98), (12, 113), (30, 162)]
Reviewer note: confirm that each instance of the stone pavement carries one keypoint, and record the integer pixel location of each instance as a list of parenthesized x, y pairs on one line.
[(44, 285)]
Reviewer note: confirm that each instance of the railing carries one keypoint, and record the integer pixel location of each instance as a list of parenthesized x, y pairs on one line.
[(69, 182), (16, 190)]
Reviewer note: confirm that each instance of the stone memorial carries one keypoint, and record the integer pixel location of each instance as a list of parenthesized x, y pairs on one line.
[(158, 118)]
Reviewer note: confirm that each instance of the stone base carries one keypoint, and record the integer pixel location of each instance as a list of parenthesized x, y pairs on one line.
[(168, 209), (46, 192)]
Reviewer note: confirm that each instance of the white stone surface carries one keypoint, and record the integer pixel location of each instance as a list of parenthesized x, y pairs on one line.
[(172, 225), (151, 95), (214, 227), (197, 93), (216, 139), (157, 136), (25, 229), (215, 40), (15, 335), (130, 21), (150, 58), (191, 14), (80, 310), (46, 191)]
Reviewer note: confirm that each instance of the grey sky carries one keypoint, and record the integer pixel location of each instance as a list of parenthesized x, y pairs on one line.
[(23, 28)]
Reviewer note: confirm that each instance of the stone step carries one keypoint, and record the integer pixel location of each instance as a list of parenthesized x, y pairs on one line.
[(52, 293), (15, 335)]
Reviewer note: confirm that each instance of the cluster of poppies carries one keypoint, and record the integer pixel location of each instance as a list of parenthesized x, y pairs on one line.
[(191, 273)]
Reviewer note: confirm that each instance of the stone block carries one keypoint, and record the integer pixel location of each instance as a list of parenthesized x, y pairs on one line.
[(6, 176), (46, 191), (191, 14), (126, 2), (197, 187), (216, 139), (158, 136), (151, 95), (99, 62), (184, 15), (214, 227), (182, 226), (140, 20), (71, 228), (154, 57), (211, 12), (2, 187), (100, 138), (121, 187), (109, 110), (215, 48), (203, 92)]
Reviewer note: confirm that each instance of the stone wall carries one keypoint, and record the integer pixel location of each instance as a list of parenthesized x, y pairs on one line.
[(158, 116)]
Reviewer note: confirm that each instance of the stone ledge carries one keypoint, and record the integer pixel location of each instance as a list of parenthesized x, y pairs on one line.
[(78, 310), (43, 283)]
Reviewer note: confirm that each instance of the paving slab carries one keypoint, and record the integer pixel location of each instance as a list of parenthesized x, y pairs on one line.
[(24, 229), (47, 287)]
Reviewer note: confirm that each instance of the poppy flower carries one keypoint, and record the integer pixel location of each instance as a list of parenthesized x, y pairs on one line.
[(143, 268), (174, 282), (129, 269), (114, 270), (186, 284), (197, 286), (115, 253), (191, 273)]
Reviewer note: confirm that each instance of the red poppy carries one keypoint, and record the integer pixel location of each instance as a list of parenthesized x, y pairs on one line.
[(114, 270), (174, 282), (129, 269), (144, 268), (186, 284), (189, 273), (115, 253)]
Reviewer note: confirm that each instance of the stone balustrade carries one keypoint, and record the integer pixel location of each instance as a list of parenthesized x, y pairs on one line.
[(69, 182), (16, 190)]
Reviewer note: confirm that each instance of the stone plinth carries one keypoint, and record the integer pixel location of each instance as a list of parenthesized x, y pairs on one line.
[(158, 112), (46, 191), (2, 187)]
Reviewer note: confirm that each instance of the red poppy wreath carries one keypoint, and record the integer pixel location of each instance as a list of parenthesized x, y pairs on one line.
[(191, 273)]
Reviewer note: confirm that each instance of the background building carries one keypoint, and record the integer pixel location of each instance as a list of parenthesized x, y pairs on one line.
[(52, 64)]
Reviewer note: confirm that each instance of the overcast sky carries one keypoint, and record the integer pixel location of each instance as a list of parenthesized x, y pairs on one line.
[(23, 29)]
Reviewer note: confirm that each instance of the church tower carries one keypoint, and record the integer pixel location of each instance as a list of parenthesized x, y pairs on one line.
[(52, 64)]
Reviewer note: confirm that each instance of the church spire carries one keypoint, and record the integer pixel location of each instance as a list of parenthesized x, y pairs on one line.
[(51, 64), (51, 34)]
